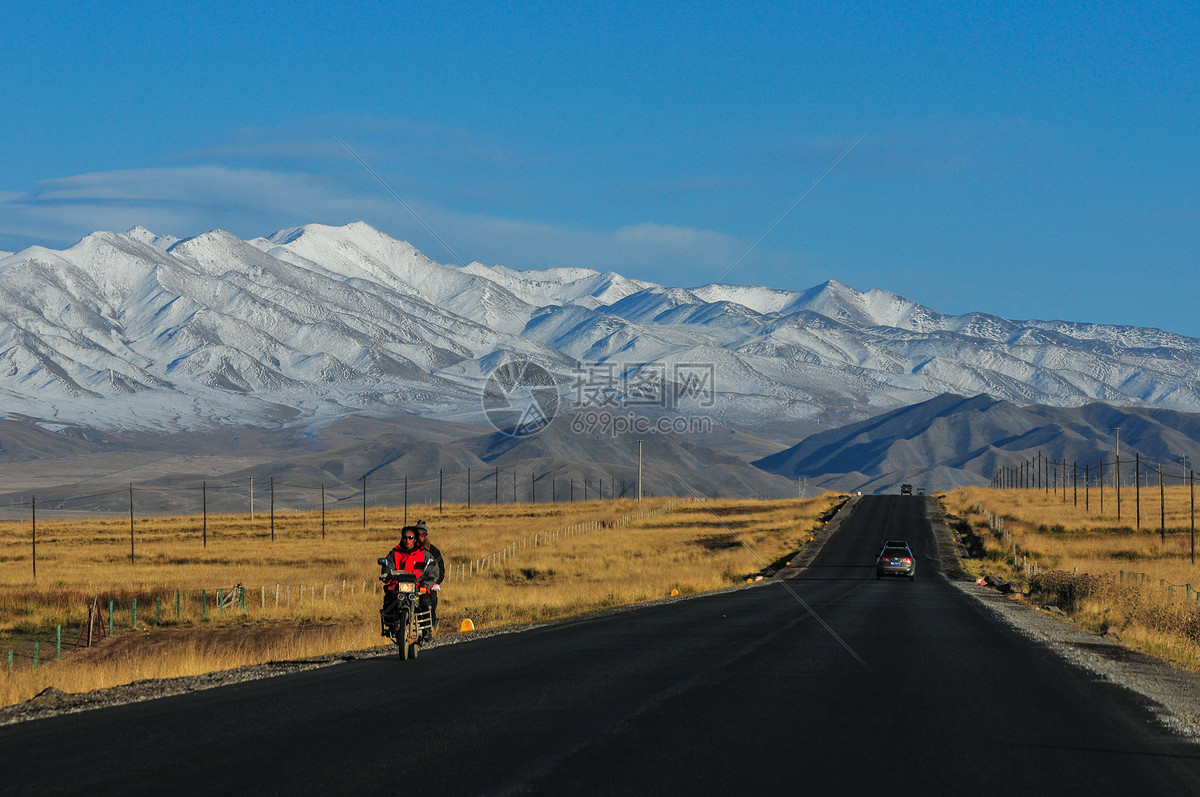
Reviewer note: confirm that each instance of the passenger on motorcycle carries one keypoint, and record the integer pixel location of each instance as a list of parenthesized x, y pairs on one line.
[(409, 556), (436, 554)]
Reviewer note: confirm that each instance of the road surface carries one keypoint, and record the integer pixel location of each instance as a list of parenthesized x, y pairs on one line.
[(831, 683)]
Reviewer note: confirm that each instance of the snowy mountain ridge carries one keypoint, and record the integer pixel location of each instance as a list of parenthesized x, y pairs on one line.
[(140, 330)]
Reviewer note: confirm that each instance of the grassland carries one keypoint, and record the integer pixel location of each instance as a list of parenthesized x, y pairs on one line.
[(313, 590), (1103, 571)]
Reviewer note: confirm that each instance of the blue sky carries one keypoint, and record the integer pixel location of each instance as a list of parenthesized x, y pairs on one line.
[(1031, 160)]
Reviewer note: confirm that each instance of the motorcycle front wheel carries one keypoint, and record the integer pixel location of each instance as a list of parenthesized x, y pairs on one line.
[(402, 635)]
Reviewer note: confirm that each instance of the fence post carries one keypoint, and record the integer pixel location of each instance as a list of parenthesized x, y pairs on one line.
[(110, 618), (58, 643), (158, 610)]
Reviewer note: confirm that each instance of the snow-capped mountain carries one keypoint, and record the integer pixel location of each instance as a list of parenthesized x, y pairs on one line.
[(139, 330)]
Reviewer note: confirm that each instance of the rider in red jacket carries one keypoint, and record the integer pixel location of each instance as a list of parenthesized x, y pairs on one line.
[(409, 556)]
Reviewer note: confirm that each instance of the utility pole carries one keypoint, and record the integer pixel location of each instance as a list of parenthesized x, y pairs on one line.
[(1162, 508), (1118, 474), (639, 471)]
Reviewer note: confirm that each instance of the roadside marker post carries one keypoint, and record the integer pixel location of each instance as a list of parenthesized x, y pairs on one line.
[(58, 643), (110, 618), (133, 615)]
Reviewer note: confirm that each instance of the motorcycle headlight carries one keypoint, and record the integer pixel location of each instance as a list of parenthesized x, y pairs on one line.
[(407, 587)]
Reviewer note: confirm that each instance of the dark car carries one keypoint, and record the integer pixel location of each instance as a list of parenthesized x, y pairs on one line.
[(896, 562)]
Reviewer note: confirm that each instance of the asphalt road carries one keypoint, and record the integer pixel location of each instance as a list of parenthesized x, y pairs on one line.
[(831, 683)]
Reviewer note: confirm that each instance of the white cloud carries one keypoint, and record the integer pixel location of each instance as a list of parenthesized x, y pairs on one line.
[(187, 200)]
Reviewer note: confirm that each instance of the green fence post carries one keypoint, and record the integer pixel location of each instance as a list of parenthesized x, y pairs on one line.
[(35, 654), (58, 643), (110, 618), (242, 598), (133, 615), (204, 603), (158, 610), (177, 605), (220, 599), (10, 664)]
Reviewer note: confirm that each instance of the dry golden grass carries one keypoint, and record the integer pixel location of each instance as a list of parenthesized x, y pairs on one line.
[(512, 563), (1141, 582)]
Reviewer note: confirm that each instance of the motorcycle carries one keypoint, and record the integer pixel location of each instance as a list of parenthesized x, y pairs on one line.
[(402, 620)]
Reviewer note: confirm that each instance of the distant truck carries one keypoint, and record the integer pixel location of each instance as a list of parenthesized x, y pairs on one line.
[(906, 489)]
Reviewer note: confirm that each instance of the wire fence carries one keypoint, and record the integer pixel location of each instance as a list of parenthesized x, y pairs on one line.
[(1076, 483), (259, 495), (471, 486)]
